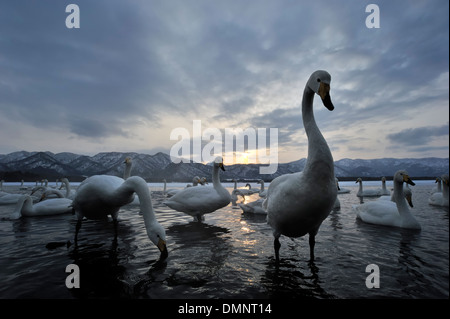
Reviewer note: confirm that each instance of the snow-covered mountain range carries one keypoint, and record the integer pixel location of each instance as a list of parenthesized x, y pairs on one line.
[(32, 166)]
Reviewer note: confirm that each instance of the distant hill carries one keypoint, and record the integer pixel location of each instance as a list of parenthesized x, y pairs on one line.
[(32, 166)]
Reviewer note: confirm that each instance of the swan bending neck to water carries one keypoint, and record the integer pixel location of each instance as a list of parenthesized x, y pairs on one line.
[(102, 195), (297, 204), (54, 206)]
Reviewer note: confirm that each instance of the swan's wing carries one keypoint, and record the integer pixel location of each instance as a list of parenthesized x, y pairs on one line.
[(53, 206), (380, 212), (196, 199)]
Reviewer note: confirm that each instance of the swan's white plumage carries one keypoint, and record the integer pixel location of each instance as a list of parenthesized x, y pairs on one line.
[(54, 206), (339, 189), (253, 207), (384, 191), (297, 204), (438, 187), (102, 195), (441, 199), (70, 193), (388, 213), (367, 192), (198, 201)]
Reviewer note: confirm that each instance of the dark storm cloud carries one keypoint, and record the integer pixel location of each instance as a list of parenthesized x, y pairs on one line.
[(241, 62), (419, 135)]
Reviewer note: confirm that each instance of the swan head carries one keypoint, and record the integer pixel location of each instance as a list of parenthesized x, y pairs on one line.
[(218, 162), (157, 235), (358, 180), (319, 82), (403, 177), (127, 160)]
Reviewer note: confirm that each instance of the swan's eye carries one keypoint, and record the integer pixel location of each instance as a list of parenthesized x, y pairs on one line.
[(318, 80)]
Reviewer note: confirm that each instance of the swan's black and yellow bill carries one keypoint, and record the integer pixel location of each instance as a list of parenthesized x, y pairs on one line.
[(408, 180), (222, 166), (162, 248), (324, 93)]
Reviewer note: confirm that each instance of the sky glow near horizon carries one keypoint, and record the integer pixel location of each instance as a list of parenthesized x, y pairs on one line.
[(135, 71)]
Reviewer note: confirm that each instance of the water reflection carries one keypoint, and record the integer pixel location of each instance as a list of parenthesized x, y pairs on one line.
[(288, 279)]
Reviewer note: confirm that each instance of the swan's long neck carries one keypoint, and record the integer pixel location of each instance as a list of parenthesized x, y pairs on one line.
[(439, 187), (445, 191), (262, 186), (383, 185), (360, 186), (127, 171), (66, 183), (320, 160), (136, 184), (400, 201), (215, 177), (23, 207)]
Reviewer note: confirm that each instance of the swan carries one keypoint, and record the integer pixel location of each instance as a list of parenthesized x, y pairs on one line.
[(341, 190), (55, 206), (253, 207), (101, 195), (169, 192), (262, 191), (440, 199), (8, 198), (384, 191), (297, 203), (366, 192), (234, 196), (247, 191), (69, 192), (406, 192), (438, 188), (22, 187), (127, 170), (197, 201), (387, 213)]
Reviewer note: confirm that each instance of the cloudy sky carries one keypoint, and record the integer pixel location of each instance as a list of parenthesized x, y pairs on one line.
[(134, 71)]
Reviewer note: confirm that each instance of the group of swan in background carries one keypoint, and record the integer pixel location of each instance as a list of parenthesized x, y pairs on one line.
[(295, 204)]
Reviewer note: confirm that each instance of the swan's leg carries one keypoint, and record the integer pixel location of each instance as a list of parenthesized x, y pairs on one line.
[(277, 245), (312, 243), (116, 223), (77, 229)]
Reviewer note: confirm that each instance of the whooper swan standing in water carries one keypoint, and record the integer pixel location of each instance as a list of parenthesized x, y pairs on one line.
[(198, 201), (297, 204)]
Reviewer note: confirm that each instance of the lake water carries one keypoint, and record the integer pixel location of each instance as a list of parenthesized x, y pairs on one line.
[(230, 255)]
